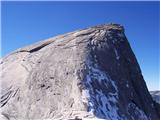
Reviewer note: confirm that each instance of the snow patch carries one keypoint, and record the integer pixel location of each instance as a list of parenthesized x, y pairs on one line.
[(99, 103), (137, 112), (109, 110), (127, 85), (85, 95), (116, 53)]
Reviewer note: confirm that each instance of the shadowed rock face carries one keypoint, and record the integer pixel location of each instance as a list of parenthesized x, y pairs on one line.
[(90, 73)]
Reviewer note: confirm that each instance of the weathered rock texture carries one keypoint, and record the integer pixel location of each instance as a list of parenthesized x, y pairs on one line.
[(90, 73)]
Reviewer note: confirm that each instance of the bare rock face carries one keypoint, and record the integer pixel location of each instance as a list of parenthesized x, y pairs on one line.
[(86, 74)]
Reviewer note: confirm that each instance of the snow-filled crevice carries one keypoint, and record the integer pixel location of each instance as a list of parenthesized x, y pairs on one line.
[(100, 93)]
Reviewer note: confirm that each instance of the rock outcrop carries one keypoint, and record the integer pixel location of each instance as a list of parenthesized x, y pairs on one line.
[(86, 74)]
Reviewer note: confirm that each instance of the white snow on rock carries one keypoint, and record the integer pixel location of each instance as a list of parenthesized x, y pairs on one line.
[(110, 111), (116, 53), (127, 85), (85, 95), (138, 112), (107, 104)]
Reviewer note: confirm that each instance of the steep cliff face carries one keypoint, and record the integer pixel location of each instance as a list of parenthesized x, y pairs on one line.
[(89, 73)]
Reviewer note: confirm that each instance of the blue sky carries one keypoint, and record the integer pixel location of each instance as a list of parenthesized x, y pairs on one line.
[(24, 23)]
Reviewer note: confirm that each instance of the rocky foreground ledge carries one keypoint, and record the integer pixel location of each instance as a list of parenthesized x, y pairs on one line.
[(86, 74)]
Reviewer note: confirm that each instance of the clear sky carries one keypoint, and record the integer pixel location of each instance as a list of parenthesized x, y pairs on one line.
[(24, 23)]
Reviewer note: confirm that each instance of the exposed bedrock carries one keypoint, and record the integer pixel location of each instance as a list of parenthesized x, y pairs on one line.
[(90, 73)]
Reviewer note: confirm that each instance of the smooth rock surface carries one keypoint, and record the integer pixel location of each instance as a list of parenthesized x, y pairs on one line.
[(90, 73)]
